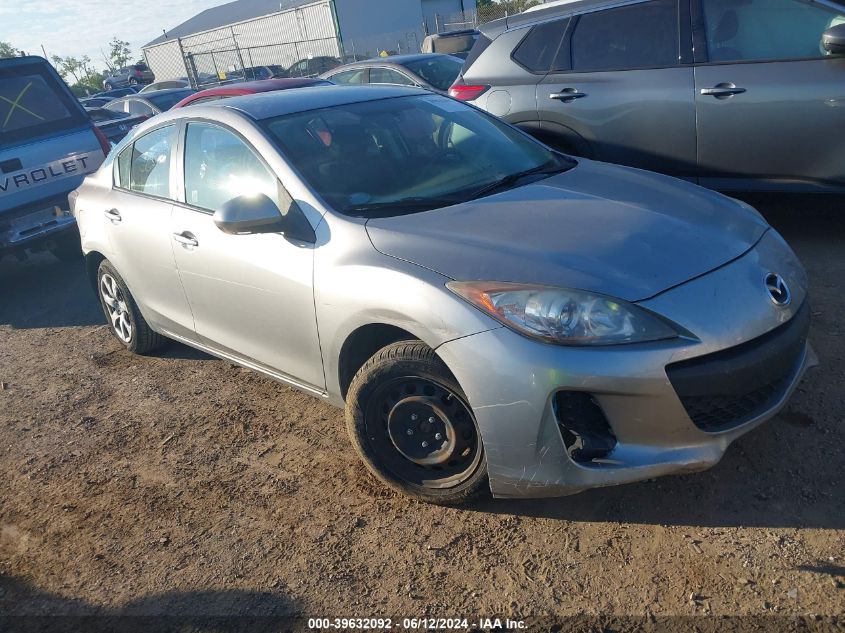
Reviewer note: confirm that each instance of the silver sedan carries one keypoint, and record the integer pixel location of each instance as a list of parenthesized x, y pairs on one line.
[(488, 311)]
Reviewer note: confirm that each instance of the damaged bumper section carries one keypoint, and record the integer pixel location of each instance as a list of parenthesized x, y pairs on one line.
[(557, 420)]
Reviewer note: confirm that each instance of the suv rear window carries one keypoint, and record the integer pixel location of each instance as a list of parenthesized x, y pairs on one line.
[(537, 50), (34, 102)]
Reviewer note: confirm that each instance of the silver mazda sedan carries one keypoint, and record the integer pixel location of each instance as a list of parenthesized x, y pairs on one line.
[(488, 311)]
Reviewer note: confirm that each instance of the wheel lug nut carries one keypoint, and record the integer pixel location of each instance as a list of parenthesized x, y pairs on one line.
[(414, 417), (410, 431), (438, 436), (431, 420), (425, 444)]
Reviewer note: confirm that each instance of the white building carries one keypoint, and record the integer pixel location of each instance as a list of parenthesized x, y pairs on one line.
[(247, 33)]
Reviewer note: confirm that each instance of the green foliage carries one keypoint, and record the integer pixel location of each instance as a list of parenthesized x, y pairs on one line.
[(7, 50), (119, 54), (80, 75)]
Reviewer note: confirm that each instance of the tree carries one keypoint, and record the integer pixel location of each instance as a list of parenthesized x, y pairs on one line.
[(7, 50), (79, 73), (119, 54)]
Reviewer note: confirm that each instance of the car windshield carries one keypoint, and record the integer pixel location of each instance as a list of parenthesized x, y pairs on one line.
[(439, 72), (408, 154), (169, 99)]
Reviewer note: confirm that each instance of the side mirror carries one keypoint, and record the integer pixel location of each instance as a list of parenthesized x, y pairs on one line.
[(248, 215), (833, 40)]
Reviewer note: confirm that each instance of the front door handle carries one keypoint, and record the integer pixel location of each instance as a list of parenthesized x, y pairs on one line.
[(186, 239), (722, 91), (567, 95), (113, 215)]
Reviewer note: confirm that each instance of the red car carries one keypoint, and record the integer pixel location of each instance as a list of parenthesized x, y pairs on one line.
[(248, 88)]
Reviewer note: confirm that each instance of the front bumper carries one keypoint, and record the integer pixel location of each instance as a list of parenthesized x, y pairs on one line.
[(511, 383)]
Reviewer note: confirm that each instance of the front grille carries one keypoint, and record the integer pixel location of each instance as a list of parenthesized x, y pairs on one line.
[(723, 390)]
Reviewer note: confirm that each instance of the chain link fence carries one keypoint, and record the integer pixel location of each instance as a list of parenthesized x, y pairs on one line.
[(482, 14)]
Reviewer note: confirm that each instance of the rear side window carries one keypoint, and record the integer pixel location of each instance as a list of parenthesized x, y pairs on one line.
[(637, 36), (538, 49), (34, 102), (349, 77), (144, 166), (389, 76)]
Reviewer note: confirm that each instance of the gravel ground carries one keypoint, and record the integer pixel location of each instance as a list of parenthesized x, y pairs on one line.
[(181, 484)]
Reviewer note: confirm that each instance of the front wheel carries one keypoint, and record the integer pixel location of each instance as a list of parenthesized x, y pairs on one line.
[(127, 323), (411, 424)]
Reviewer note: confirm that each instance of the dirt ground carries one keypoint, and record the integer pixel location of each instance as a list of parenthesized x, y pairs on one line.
[(181, 484)]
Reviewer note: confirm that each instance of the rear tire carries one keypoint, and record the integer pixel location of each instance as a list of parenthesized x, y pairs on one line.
[(133, 81), (125, 320), (410, 423), (107, 85)]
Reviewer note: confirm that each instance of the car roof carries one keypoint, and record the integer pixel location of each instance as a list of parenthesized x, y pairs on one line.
[(278, 103), (155, 93), (399, 60), (260, 85), (540, 12)]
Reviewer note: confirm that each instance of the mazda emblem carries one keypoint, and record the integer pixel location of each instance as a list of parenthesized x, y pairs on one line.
[(778, 290)]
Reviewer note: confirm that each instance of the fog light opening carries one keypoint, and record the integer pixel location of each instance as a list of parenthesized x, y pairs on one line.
[(583, 426)]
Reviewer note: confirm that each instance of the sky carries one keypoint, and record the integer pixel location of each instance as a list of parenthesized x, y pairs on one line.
[(83, 27)]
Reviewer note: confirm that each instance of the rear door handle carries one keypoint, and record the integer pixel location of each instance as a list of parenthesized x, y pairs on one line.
[(186, 239), (567, 94), (113, 215), (722, 91)]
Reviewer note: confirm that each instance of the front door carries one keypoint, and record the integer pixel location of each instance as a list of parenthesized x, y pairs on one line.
[(251, 295), (619, 90), (138, 215), (770, 102)]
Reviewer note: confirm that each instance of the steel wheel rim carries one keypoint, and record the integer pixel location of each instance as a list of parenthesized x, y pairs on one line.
[(116, 306), (446, 461)]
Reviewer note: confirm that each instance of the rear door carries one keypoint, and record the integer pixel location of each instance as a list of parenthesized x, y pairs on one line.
[(621, 87), (770, 102), (137, 214)]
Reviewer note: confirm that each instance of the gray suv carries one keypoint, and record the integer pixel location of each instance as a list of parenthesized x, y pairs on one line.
[(732, 94), (132, 75)]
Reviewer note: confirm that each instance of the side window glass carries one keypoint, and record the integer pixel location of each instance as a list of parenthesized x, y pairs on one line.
[(349, 77), (139, 107), (149, 171), (538, 49), (220, 166), (124, 161), (766, 29), (389, 76), (636, 36)]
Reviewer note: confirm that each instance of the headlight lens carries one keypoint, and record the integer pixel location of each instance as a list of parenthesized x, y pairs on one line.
[(564, 316)]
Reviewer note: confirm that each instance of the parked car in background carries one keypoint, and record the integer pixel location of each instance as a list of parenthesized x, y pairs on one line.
[(118, 92), (252, 73), (115, 125), (132, 75), (95, 102), (733, 94), (150, 103), (431, 71), (457, 43), (47, 145), (310, 67), (481, 305), (248, 88), (165, 84)]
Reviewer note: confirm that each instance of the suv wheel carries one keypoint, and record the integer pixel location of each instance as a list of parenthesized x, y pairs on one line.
[(411, 424), (125, 319), (133, 81), (107, 85)]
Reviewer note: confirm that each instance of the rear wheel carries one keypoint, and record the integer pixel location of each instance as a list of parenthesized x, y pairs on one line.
[(411, 424), (107, 85), (125, 319), (133, 81)]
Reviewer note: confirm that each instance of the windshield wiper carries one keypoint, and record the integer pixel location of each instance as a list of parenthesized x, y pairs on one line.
[(508, 182), (396, 207)]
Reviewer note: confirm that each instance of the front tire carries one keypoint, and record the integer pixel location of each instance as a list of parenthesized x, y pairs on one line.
[(410, 423), (125, 320)]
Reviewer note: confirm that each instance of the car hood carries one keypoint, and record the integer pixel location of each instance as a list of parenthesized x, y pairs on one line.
[(618, 231)]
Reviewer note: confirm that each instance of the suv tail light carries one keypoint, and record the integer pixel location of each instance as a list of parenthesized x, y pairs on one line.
[(138, 73), (463, 92), (104, 142)]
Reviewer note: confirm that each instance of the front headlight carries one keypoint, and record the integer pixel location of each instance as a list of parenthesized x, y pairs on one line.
[(564, 316)]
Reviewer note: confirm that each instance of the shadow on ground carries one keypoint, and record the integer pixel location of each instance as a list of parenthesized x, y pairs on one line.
[(25, 608)]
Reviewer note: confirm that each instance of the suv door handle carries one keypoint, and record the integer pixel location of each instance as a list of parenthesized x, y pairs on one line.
[(722, 91), (186, 239), (567, 94), (113, 215)]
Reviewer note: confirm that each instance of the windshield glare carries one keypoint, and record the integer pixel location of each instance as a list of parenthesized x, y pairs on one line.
[(406, 153)]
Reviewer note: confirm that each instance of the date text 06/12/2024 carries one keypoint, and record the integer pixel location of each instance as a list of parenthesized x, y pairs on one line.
[(426, 624)]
